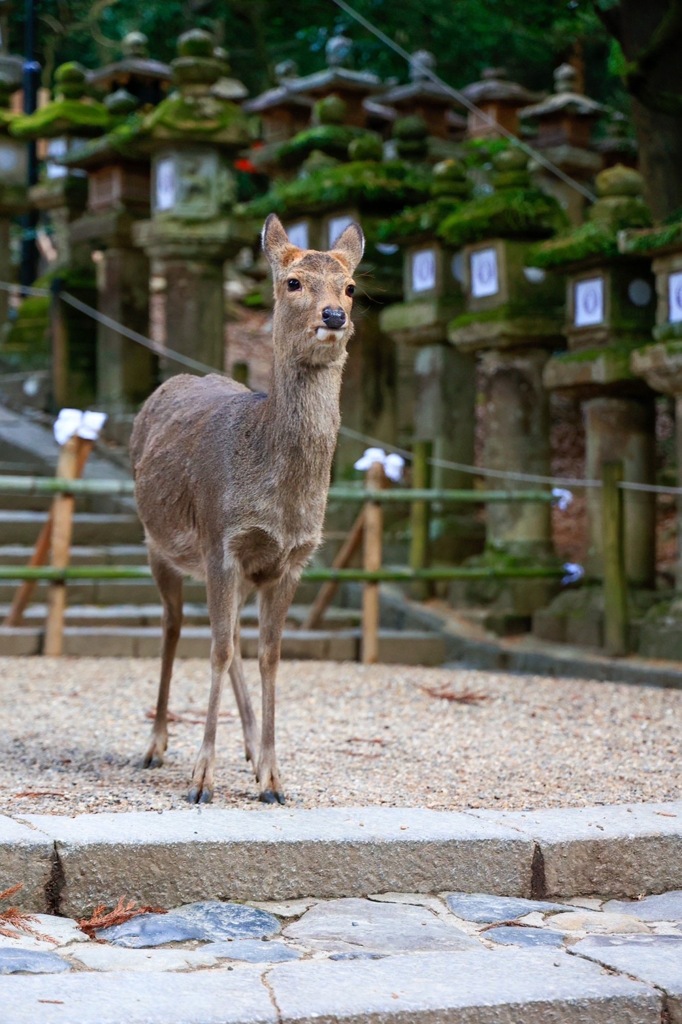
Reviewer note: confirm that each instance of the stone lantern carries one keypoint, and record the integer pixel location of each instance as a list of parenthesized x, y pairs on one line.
[(660, 365), (118, 173), (193, 136), (442, 380), (610, 302), (65, 123), (497, 99), (564, 122), (511, 323), (353, 87), (13, 177)]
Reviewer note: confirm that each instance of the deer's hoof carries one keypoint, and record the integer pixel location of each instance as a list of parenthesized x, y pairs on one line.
[(271, 796), (199, 795), (152, 760)]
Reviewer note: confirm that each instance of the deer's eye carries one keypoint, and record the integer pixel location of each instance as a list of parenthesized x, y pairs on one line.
[(350, 290), (293, 284)]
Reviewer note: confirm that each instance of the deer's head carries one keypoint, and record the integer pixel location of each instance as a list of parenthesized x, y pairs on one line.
[(313, 293)]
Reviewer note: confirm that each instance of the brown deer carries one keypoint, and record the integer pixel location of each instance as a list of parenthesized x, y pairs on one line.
[(231, 487)]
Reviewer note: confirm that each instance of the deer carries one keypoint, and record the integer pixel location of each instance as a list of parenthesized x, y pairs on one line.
[(231, 488)]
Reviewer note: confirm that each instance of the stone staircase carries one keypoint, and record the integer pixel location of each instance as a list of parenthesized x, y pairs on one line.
[(121, 618)]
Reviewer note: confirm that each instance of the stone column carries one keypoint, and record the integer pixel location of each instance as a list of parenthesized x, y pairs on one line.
[(517, 441), (444, 413), (126, 371), (5, 268), (619, 428)]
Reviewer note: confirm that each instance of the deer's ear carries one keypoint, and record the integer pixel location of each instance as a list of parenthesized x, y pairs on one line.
[(350, 245), (274, 239)]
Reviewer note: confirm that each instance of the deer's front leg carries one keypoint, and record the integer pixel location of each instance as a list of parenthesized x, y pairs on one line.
[(222, 590), (274, 605), (169, 582)]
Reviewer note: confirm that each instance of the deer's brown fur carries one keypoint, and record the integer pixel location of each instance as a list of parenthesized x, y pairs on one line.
[(231, 487)]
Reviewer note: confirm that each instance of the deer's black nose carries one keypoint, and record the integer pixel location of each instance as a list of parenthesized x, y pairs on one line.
[(333, 318)]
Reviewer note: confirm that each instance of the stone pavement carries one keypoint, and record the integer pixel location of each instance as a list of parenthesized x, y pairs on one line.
[(507, 917)]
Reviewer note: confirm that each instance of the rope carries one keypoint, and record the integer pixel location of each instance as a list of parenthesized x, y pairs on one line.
[(466, 102)]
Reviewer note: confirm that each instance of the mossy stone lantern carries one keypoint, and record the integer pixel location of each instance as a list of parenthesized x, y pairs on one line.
[(511, 322), (610, 303), (193, 136), (118, 170), (13, 176), (660, 365), (65, 123)]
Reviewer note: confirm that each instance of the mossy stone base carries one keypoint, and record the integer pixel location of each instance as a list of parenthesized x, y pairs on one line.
[(508, 596), (576, 616), (587, 371), (476, 331), (423, 322), (660, 632), (661, 365)]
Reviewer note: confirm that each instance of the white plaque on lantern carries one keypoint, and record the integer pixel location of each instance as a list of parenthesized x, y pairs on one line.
[(484, 275), (424, 270), (675, 298), (166, 187), (298, 234), (336, 226), (588, 302)]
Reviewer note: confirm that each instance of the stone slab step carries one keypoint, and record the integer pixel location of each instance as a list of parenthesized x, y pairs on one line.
[(479, 987), (406, 647), (131, 615), (108, 554), (88, 528)]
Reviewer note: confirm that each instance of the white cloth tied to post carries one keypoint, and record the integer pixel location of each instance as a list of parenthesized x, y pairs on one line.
[(83, 424), (393, 464), (562, 498)]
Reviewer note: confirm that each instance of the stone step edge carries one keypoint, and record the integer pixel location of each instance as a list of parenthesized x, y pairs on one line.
[(69, 864), (477, 986)]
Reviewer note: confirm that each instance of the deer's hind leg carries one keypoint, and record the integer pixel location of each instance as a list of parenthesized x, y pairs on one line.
[(246, 713), (169, 582)]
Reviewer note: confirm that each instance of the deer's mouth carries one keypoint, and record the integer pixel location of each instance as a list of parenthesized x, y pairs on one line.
[(330, 333)]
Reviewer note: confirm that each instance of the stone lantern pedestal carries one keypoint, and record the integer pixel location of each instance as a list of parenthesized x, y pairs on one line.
[(510, 325), (610, 308), (13, 191)]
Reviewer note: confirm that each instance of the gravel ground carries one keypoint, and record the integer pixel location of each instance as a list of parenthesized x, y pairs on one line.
[(74, 731)]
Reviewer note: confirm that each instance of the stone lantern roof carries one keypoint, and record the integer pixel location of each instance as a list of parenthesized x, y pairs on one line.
[(500, 99), (71, 113), (143, 77), (619, 206), (449, 188), (565, 117), (421, 96)]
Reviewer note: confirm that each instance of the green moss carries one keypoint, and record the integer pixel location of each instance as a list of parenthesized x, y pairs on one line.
[(507, 311), (332, 139), (62, 117), (368, 184), (417, 222), (647, 241), (26, 344), (511, 213)]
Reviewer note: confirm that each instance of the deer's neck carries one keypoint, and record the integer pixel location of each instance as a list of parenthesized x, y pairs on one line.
[(302, 413)]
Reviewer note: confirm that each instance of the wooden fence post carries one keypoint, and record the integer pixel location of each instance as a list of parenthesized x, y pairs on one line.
[(328, 590), (420, 517), (62, 526), (372, 553), (615, 581), (41, 549)]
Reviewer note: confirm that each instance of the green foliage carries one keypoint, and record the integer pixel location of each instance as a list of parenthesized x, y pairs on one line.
[(417, 222), (61, 117)]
